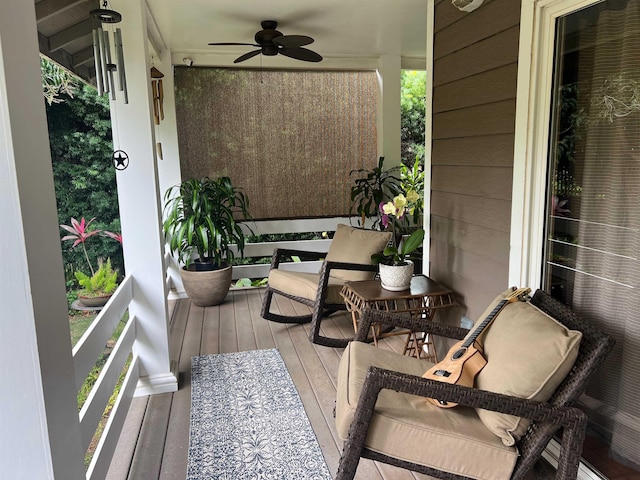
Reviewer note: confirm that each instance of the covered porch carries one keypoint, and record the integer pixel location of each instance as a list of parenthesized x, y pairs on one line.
[(480, 212)]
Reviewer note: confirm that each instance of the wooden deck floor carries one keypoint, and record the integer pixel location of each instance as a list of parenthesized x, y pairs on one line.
[(155, 440)]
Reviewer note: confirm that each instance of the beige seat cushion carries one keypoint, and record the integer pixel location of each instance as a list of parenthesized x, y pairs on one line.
[(412, 429), (305, 285), (355, 245), (528, 355)]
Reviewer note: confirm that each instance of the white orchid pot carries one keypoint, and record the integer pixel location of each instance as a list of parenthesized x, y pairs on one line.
[(396, 278)]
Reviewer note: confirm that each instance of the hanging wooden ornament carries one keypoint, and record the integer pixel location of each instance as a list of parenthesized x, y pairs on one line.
[(158, 95)]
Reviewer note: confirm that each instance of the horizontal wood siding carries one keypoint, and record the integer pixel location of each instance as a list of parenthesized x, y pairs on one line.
[(474, 98), (496, 150)]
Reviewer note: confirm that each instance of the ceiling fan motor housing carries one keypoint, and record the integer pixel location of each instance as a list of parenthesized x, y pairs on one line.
[(265, 37)]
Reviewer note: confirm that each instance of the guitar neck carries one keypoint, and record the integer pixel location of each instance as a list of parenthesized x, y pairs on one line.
[(516, 295), (485, 323)]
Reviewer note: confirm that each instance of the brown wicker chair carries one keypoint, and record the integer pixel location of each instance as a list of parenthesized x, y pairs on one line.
[(547, 417), (348, 259)]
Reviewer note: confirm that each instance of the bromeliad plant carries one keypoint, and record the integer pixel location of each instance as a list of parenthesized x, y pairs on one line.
[(200, 221), (102, 281)]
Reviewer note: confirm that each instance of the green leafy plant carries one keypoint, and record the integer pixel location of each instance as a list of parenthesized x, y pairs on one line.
[(103, 282), (370, 189), (99, 282), (412, 114), (412, 185), (200, 221), (397, 256), (248, 282)]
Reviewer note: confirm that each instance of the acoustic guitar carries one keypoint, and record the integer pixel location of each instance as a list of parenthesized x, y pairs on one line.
[(465, 359)]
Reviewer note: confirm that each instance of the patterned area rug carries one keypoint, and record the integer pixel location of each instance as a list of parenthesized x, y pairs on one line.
[(248, 422)]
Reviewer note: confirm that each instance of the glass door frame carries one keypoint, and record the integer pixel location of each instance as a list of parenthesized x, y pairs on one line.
[(531, 145), (532, 130)]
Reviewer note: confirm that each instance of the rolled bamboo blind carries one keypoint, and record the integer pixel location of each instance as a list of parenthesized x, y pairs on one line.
[(289, 138)]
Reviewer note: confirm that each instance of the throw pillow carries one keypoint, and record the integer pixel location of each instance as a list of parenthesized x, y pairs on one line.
[(355, 245), (528, 355)]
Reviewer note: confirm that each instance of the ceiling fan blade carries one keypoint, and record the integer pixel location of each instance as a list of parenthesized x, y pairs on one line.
[(247, 56), (233, 43), (300, 53), (290, 41)]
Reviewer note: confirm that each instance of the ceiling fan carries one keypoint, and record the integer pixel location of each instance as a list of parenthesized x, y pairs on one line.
[(272, 42)]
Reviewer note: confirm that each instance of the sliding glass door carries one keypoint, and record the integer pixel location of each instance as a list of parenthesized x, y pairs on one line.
[(592, 220)]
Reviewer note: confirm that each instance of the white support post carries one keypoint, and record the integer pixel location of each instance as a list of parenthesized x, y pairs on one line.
[(39, 426), (167, 136), (389, 82), (139, 199)]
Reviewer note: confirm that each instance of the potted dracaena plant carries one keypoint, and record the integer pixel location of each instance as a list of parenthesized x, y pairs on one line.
[(201, 226)]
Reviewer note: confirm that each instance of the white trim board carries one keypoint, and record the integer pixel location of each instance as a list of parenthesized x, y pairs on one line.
[(535, 78)]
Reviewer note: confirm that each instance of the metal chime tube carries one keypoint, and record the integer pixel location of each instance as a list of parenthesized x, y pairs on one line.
[(103, 60), (110, 65), (96, 58), (120, 64)]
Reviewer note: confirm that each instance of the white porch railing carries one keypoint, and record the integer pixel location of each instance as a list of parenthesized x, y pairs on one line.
[(85, 354), (265, 249)]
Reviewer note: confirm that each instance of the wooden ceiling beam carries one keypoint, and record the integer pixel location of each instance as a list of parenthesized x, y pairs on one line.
[(83, 57), (47, 9), (65, 37), (65, 60)]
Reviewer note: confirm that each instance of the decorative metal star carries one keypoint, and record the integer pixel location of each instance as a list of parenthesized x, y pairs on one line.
[(120, 159)]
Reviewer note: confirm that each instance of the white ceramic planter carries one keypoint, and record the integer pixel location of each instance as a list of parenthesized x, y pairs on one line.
[(396, 278)]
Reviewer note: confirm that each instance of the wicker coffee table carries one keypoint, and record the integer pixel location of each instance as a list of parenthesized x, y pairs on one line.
[(423, 299)]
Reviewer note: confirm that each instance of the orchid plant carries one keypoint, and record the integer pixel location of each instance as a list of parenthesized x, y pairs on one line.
[(80, 232), (392, 212)]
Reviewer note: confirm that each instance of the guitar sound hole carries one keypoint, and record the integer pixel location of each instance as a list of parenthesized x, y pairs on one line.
[(458, 354)]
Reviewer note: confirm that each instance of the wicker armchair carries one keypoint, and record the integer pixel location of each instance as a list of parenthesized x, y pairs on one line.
[(374, 410), (348, 259)]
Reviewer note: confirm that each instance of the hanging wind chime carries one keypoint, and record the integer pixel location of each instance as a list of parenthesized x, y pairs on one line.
[(105, 66)]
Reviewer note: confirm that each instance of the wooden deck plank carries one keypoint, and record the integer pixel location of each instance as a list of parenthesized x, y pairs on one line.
[(228, 334), (177, 327), (176, 450), (121, 462), (244, 325), (148, 456), (210, 332), (261, 330)]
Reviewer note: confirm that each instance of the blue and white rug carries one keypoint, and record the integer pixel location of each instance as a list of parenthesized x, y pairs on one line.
[(248, 422)]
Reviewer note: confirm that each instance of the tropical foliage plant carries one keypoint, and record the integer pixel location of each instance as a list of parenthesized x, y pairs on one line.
[(200, 220), (85, 181), (80, 232), (370, 189), (412, 185), (103, 282), (57, 83), (412, 115)]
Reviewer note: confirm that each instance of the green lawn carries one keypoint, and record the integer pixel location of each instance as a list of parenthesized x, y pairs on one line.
[(79, 322)]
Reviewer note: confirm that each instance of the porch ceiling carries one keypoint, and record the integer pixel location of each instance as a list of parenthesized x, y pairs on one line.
[(341, 29)]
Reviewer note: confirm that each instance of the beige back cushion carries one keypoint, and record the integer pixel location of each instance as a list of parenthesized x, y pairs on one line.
[(355, 245), (528, 355)]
